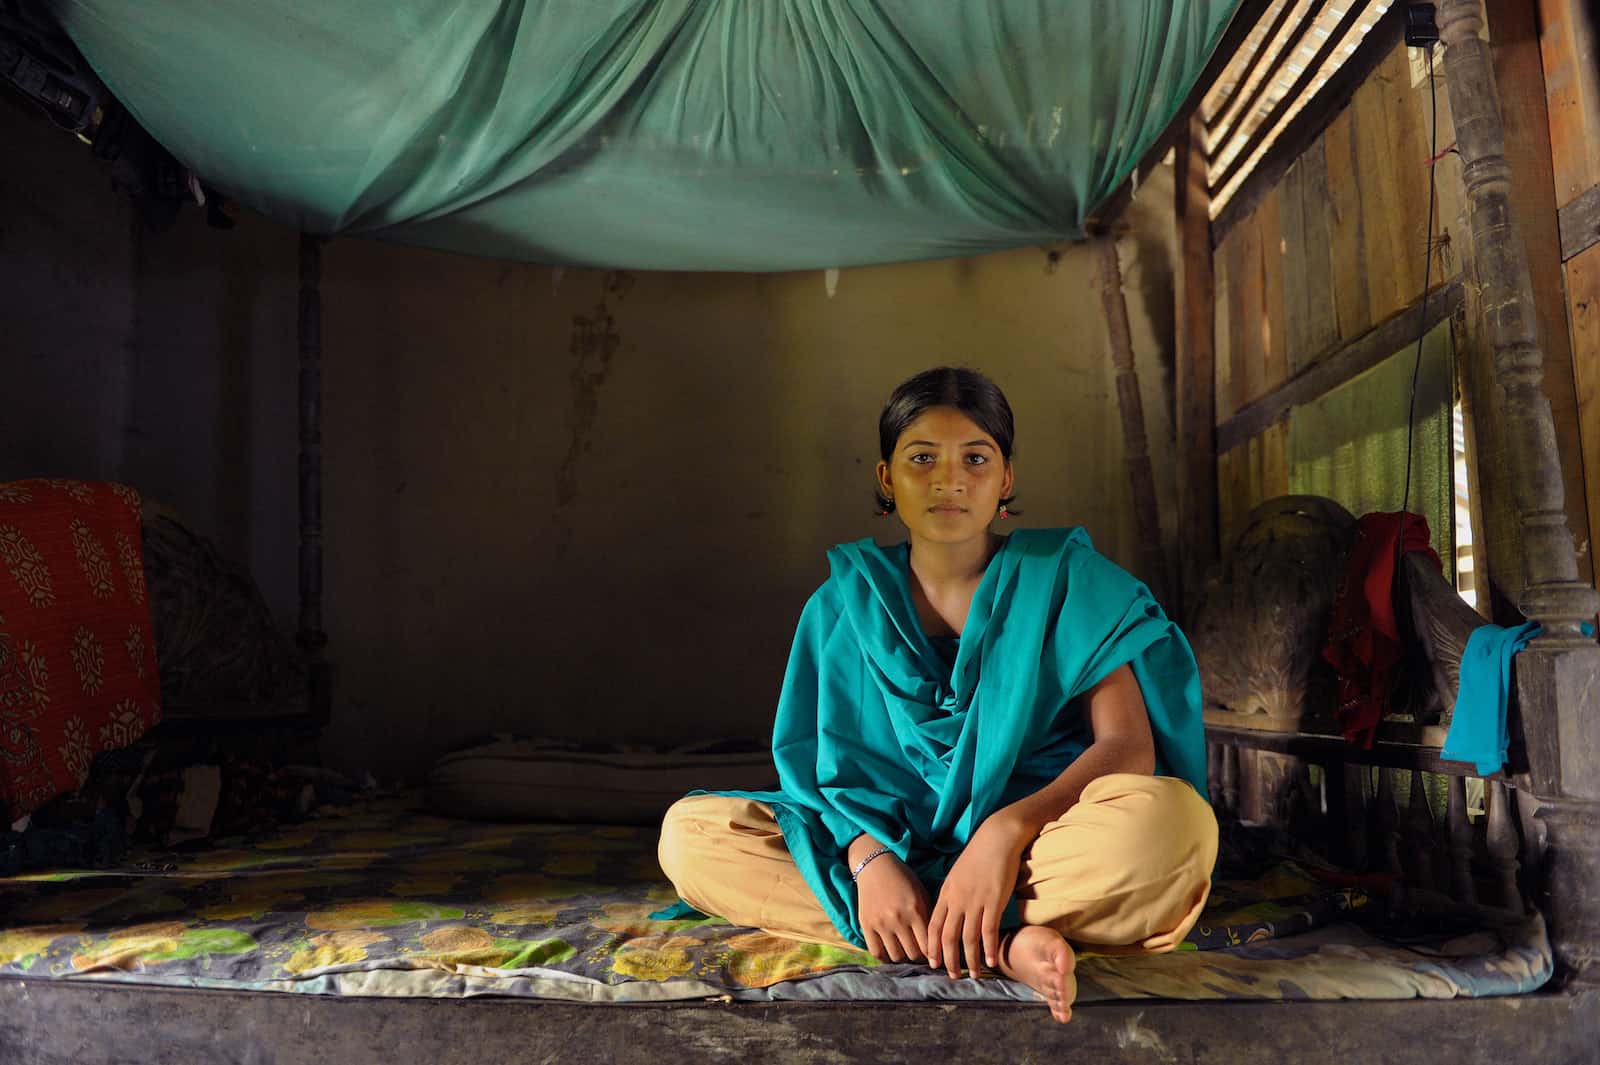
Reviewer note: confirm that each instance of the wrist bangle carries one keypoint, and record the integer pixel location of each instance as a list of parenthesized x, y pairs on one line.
[(862, 864)]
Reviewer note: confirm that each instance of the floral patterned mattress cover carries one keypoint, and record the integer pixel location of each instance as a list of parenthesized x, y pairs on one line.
[(388, 899)]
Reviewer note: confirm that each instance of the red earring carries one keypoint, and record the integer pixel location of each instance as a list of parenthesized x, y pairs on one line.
[(1003, 512)]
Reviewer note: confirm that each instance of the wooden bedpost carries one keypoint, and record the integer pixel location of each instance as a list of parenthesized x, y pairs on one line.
[(1558, 676), (311, 637), (1152, 554), (1196, 371)]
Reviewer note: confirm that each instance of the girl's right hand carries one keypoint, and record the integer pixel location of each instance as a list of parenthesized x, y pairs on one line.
[(893, 907)]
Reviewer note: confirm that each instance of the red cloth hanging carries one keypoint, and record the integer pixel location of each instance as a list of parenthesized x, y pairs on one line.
[(1363, 634), (77, 649)]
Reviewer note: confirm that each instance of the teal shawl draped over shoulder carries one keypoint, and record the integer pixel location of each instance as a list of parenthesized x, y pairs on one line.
[(876, 733)]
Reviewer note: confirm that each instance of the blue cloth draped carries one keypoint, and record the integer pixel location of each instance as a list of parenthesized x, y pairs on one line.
[(876, 733), (1478, 730)]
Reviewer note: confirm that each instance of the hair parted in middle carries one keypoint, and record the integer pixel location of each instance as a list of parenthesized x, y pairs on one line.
[(958, 387)]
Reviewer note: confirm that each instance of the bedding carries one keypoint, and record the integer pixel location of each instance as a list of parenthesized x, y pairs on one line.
[(384, 898), (520, 778)]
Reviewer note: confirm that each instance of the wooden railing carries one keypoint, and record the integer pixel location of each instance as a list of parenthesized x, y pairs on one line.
[(1382, 819)]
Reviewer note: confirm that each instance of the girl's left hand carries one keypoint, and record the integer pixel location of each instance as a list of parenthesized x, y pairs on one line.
[(974, 896)]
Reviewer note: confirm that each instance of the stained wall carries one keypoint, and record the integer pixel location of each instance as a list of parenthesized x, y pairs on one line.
[(582, 503)]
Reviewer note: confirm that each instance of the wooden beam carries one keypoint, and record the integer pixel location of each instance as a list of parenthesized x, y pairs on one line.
[(1579, 223), (1583, 310), (93, 1021), (1333, 367), (1569, 33), (1195, 371), (1135, 442), (1402, 746), (1304, 129)]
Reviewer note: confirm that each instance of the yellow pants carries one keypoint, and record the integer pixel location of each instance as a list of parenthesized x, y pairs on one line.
[(1126, 869)]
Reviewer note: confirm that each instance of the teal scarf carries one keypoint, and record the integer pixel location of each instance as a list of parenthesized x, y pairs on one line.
[(876, 733)]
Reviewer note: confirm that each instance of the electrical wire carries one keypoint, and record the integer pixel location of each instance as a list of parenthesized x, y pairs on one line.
[(1427, 274), (1422, 317)]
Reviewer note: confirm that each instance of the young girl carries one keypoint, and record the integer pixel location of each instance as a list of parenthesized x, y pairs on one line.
[(987, 746)]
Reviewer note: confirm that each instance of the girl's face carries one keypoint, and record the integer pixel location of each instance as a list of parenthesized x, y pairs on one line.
[(946, 477)]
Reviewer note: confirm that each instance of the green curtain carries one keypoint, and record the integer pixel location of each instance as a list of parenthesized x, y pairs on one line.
[(660, 134), (1350, 444)]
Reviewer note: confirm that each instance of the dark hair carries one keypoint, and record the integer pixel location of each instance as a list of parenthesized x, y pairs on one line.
[(968, 391)]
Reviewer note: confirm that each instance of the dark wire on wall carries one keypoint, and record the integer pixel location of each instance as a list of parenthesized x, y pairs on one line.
[(1420, 31), (1427, 276)]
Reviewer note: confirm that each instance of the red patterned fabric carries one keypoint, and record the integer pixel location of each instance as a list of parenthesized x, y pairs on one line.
[(77, 651), (1363, 635)]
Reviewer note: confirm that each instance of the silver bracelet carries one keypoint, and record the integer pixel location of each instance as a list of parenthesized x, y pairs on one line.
[(862, 864)]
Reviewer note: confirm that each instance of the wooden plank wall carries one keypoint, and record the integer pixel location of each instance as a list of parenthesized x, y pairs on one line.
[(1331, 251), (1338, 246), (1569, 31)]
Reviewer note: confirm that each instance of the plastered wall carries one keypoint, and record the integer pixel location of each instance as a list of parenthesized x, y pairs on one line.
[(584, 503)]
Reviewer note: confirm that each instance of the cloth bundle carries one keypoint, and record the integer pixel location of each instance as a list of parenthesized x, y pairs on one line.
[(1363, 633)]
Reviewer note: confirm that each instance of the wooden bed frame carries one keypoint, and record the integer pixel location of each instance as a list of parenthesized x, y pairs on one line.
[(1538, 843)]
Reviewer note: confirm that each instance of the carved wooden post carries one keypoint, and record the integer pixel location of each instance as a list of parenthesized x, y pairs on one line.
[(1230, 779), (1386, 823), (1214, 772), (1355, 813), (1503, 843), (1153, 557), (312, 638), (1460, 829), (1558, 676), (1269, 787), (1418, 833)]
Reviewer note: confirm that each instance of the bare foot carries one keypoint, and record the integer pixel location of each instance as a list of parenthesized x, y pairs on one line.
[(1039, 957)]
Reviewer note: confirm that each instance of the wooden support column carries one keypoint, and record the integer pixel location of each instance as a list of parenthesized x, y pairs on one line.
[(1558, 676), (1524, 109), (1196, 371), (1135, 442), (1553, 595), (312, 638)]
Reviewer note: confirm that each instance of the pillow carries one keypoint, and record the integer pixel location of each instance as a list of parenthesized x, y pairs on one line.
[(547, 780), (75, 629)]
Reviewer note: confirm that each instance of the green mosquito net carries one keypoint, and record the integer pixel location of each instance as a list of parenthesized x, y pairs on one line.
[(660, 134)]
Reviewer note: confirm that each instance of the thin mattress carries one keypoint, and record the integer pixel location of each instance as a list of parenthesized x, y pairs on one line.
[(385, 898)]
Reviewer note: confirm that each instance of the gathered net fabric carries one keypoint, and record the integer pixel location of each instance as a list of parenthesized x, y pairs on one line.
[(660, 134)]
